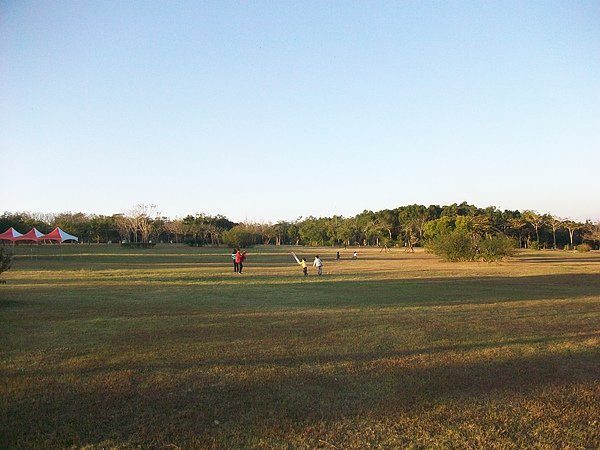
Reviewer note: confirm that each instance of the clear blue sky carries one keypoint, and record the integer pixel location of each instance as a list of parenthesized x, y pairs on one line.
[(273, 110)]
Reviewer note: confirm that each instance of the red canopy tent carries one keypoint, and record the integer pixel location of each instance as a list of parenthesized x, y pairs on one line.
[(11, 235), (31, 235), (58, 235)]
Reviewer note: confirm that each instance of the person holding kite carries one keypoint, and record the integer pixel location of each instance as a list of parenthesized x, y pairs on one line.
[(302, 263), (240, 257)]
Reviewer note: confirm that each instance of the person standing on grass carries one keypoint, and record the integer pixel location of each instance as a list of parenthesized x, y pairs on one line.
[(235, 263), (240, 257), (319, 265), (304, 268), (242, 261), (302, 264)]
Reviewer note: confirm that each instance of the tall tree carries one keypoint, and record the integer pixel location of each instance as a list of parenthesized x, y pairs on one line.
[(571, 226), (177, 229), (536, 220), (364, 223), (347, 231), (293, 232), (482, 225), (412, 219), (103, 229), (388, 221), (125, 227), (144, 217), (592, 233), (280, 229), (312, 231), (555, 224), (412, 230), (517, 226)]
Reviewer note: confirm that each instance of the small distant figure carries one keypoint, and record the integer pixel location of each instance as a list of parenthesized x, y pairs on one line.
[(240, 257), (337, 255), (236, 265), (355, 255), (319, 265)]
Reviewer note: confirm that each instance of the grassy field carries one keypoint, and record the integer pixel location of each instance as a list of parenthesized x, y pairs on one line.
[(167, 348)]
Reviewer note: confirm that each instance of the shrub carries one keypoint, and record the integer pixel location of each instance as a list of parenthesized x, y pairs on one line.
[(238, 237), (438, 227), (584, 248), (192, 242), (535, 245), (5, 260), (456, 245), (459, 245), (496, 248)]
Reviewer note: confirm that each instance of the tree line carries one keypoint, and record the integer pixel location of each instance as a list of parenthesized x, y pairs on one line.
[(406, 226)]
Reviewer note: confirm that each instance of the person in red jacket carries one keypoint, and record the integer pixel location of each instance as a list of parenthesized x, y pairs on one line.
[(240, 257)]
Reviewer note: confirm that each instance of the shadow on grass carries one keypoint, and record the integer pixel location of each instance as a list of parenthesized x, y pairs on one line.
[(232, 411), (297, 362), (341, 293), (500, 289), (266, 293), (557, 259)]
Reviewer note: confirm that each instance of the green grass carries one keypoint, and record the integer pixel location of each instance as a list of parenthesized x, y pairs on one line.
[(167, 347)]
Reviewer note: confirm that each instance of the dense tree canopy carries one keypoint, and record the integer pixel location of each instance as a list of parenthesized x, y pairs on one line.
[(405, 226)]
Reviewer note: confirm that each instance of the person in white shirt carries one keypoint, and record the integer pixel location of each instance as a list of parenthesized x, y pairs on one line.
[(318, 264)]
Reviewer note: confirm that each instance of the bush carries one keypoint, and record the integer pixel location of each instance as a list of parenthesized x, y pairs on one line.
[(438, 227), (496, 248), (584, 248), (535, 245), (454, 246), (238, 237), (459, 245), (193, 242), (5, 260)]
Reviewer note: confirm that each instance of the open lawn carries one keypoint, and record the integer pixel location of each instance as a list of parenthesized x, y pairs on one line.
[(168, 348)]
